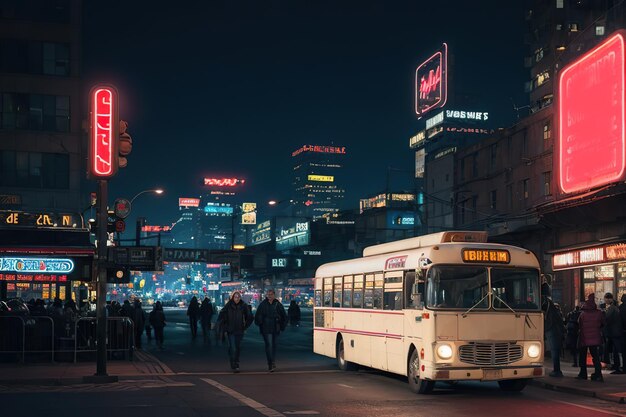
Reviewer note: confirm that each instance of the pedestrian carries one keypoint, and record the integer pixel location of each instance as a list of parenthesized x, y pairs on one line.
[(613, 330), (591, 321), (294, 313), (139, 321), (554, 329), (206, 315), (157, 320), (232, 321), (193, 311), (271, 319), (571, 340), (127, 310)]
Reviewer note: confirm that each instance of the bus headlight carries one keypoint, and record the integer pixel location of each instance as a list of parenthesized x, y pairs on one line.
[(444, 351), (534, 350)]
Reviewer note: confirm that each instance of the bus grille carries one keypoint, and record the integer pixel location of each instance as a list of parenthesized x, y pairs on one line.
[(486, 354)]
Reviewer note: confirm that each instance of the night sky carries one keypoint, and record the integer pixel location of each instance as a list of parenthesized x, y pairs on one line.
[(231, 88)]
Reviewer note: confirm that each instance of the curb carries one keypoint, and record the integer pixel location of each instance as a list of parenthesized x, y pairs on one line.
[(619, 398)]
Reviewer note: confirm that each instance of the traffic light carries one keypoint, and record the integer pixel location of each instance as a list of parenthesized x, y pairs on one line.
[(125, 145), (118, 275)]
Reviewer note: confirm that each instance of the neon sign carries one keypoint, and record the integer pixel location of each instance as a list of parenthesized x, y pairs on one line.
[(322, 178), (471, 115), (591, 122), (40, 265), (431, 79), (320, 149), (104, 130), (223, 182), (188, 202)]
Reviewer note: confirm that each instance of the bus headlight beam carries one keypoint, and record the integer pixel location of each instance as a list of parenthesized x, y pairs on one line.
[(444, 351), (534, 350)]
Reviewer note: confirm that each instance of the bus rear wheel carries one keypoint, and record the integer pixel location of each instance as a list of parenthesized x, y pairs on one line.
[(343, 364), (416, 384), (513, 385)]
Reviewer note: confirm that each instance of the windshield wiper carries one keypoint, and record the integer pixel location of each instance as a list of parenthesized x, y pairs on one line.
[(475, 305), (504, 302)]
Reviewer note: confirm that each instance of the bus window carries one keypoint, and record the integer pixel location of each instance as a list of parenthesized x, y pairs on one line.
[(357, 296), (378, 291), (459, 287), (517, 288), (318, 298), (347, 291), (328, 292), (368, 297), (414, 295), (393, 299), (337, 293)]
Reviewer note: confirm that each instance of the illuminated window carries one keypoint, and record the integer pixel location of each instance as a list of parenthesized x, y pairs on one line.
[(525, 186), (599, 30), (559, 26), (547, 179), (559, 4), (573, 27), (547, 130)]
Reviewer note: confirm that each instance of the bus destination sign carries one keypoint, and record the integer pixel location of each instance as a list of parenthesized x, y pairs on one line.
[(498, 256)]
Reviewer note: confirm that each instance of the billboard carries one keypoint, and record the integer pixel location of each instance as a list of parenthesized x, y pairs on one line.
[(188, 202), (431, 82), (420, 163), (320, 149), (223, 182), (590, 118), (321, 178), (400, 219), (248, 213), (218, 209), (292, 232), (262, 233), (104, 131)]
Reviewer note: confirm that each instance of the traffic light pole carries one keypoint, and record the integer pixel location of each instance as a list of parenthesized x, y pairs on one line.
[(101, 329)]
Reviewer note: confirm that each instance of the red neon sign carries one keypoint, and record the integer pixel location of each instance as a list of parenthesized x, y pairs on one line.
[(104, 123), (591, 122), (431, 82), (223, 182), (320, 149), (188, 202)]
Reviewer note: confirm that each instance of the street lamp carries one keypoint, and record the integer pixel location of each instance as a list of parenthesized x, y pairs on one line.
[(156, 191)]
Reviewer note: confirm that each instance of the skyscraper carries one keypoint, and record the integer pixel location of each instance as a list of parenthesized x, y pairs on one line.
[(317, 183)]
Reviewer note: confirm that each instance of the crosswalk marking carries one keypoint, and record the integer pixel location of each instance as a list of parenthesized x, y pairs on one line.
[(266, 411)]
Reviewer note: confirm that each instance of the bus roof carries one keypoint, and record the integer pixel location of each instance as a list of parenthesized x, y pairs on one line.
[(426, 240)]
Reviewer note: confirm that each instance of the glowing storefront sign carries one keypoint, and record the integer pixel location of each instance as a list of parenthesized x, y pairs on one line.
[(417, 140), (600, 254), (434, 121), (467, 115), (431, 81), (322, 178), (104, 124), (590, 118), (38, 265), (188, 202), (320, 149), (497, 256), (223, 182)]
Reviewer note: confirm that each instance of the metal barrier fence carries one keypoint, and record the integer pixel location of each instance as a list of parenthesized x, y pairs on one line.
[(22, 335)]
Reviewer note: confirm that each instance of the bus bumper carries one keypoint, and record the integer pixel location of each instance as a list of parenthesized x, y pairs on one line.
[(483, 374)]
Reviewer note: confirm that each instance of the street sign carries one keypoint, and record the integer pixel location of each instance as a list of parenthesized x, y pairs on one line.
[(122, 208), (186, 255)]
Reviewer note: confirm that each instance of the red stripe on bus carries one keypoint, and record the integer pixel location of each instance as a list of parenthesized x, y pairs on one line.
[(354, 310), (362, 332)]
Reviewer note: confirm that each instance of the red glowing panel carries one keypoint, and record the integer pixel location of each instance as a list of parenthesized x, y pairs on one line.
[(188, 202), (223, 182), (103, 137), (591, 141), (431, 81)]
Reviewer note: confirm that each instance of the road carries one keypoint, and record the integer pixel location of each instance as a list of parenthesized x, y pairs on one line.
[(199, 383)]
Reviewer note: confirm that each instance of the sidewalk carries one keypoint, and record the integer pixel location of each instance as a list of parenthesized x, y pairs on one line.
[(69, 373), (612, 389)]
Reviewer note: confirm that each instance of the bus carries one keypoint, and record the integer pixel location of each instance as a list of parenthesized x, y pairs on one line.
[(441, 307)]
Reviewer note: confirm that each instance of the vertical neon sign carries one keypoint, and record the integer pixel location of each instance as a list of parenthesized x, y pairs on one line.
[(104, 130), (591, 118), (431, 82)]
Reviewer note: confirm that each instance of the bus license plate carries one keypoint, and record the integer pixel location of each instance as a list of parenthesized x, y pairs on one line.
[(492, 374)]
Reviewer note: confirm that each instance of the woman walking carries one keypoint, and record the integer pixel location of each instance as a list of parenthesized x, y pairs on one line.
[(157, 320), (193, 311), (233, 319)]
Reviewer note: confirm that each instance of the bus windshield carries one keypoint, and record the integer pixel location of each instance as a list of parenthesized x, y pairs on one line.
[(515, 288), (459, 287)]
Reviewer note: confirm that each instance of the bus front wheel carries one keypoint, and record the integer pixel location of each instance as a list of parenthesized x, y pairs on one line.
[(513, 385), (416, 384), (343, 364)]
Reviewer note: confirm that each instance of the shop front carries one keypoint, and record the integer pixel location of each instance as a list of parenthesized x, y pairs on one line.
[(593, 269)]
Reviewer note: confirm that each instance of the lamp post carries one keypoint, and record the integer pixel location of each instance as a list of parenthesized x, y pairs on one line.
[(140, 220)]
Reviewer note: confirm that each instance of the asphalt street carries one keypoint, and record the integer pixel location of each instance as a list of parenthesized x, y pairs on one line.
[(198, 382)]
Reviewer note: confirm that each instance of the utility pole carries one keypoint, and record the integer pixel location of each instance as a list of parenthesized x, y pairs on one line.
[(101, 329)]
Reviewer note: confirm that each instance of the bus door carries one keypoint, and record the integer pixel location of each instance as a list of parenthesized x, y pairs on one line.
[(394, 323)]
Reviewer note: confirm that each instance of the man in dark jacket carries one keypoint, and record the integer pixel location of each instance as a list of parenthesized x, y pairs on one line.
[(591, 321), (139, 321), (613, 330), (157, 320), (233, 319), (206, 314), (271, 319), (193, 311), (554, 329)]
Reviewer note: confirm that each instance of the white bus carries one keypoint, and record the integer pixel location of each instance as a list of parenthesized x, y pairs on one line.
[(441, 307)]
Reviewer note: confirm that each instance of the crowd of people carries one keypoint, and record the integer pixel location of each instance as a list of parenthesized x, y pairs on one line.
[(597, 330)]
